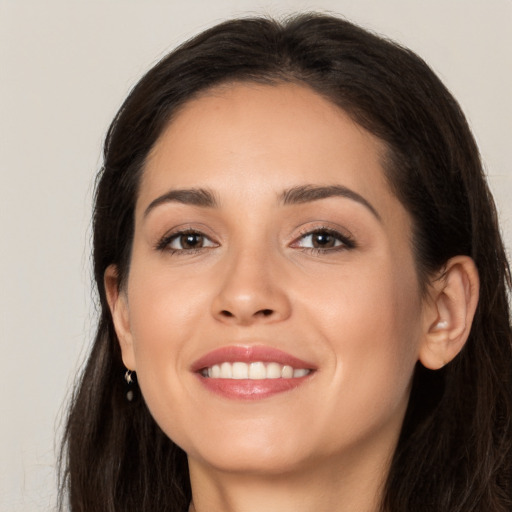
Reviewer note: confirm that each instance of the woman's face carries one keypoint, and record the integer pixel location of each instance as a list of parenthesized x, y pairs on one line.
[(269, 247)]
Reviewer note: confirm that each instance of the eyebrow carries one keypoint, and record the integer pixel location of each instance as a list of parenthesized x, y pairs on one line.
[(297, 195), (191, 196), (310, 193)]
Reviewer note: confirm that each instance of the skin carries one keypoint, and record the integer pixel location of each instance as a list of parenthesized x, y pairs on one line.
[(355, 312)]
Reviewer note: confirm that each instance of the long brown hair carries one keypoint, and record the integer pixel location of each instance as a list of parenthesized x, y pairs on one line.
[(455, 448)]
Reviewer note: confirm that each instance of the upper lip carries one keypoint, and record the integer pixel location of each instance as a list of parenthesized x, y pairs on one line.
[(249, 354)]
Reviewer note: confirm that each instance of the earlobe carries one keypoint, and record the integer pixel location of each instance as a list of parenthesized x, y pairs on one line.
[(118, 304), (450, 312)]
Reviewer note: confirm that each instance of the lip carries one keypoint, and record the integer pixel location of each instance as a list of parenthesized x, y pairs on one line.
[(247, 389), (252, 354)]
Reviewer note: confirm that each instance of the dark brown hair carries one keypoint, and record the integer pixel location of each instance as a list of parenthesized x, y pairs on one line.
[(455, 448)]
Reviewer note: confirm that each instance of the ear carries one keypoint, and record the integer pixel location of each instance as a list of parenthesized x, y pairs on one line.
[(450, 311), (118, 304)]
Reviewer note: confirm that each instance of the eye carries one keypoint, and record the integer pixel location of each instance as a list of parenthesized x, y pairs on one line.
[(324, 240), (185, 241)]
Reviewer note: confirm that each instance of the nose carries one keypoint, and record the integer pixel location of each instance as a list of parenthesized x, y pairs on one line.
[(252, 290)]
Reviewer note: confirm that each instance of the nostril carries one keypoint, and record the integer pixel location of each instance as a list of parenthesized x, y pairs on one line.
[(245, 316)]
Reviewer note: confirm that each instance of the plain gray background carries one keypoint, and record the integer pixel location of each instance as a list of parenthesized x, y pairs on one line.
[(65, 67)]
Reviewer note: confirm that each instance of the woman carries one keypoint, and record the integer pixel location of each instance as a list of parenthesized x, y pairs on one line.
[(302, 283)]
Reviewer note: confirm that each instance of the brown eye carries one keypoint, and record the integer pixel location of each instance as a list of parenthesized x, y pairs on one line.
[(191, 241), (186, 241), (322, 240)]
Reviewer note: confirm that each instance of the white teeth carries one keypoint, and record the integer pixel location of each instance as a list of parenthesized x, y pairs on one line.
[(257, 371), (273, 371), (287, 372), (226, 371), (254, 371), (240, 370)]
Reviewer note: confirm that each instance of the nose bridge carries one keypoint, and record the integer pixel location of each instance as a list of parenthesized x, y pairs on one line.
[(251, 287)]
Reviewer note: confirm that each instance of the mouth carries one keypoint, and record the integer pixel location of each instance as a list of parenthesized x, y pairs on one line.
[(253, 371), (250, 373)]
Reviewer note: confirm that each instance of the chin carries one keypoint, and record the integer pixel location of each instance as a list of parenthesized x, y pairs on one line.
[(256, 450), (271, 461)]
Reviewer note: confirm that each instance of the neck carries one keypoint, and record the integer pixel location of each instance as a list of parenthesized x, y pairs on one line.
[(353, 487)]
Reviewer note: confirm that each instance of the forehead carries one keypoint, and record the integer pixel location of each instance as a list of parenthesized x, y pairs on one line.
[(265, 138)]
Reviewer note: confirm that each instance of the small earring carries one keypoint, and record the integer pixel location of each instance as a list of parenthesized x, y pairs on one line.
[(129, 379)]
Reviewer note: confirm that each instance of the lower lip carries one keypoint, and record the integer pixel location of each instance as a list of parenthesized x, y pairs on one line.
[(247, 389)]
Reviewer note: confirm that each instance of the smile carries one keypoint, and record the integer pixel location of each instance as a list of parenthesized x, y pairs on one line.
[(251, 372), (258, 370)]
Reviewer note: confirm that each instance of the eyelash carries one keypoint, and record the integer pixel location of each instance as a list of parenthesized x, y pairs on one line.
[(164, 243), (347, 242)]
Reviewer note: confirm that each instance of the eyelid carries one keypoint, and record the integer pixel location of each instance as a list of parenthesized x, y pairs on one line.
[(177, 237), (344, 236), (162, 244)]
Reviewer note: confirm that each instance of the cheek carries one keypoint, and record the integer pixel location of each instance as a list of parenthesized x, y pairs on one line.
[(370, 301), (163, 306), (162, 320), (371, 319)]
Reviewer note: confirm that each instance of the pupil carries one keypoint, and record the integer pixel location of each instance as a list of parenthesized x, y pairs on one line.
[(191, 240), (323, 240)]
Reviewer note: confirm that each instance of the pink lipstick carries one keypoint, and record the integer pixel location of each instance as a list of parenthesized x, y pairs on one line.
[(250, 373)]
